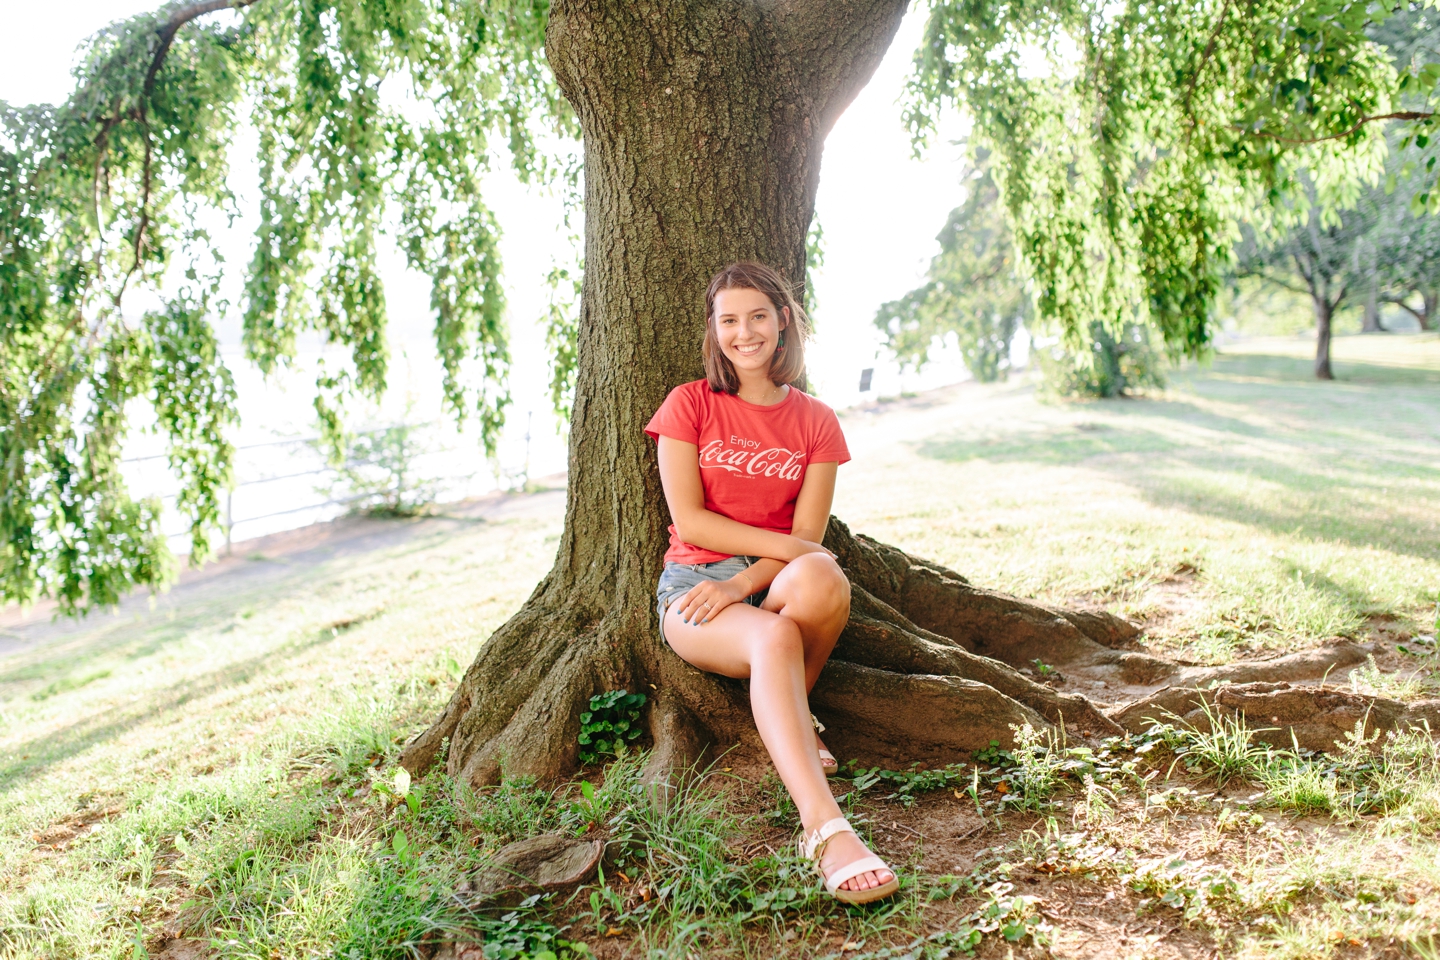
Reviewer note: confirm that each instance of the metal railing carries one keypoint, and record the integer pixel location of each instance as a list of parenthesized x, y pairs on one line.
[(322, 468)]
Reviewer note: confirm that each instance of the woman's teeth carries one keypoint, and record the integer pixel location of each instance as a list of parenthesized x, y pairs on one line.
[(748, 350)]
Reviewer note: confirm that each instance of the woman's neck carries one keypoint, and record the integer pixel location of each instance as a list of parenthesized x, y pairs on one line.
[(760, 390)]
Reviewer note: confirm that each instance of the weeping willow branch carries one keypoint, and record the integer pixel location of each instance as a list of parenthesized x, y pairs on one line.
[(178, 19), (1343, 135)]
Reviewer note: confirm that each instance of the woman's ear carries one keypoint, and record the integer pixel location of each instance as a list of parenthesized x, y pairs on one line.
[(785, 315)]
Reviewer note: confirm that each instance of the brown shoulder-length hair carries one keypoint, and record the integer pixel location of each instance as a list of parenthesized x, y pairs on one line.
[(787, 365)]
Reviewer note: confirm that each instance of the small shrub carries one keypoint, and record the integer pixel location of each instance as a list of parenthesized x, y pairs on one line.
[(379, 473), (612, 721), (1111, 367)]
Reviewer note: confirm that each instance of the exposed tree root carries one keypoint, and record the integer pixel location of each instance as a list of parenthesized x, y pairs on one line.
[(1282, 714), (1316, 664), (928, 668), (881, 637), (898, 718), (997, 626)]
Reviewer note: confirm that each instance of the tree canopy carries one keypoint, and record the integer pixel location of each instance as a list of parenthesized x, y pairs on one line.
[(1129, 139), (1125, 139)]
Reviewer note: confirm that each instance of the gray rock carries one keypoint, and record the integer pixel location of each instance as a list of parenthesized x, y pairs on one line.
[(537, 865)]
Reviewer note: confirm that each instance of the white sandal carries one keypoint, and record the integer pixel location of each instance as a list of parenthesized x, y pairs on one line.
[(813, 847), (828, 763)]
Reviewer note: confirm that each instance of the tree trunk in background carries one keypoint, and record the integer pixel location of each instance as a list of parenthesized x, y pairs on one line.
[(1429, 300), (1324, 313), (703, 127), (1371, 321)]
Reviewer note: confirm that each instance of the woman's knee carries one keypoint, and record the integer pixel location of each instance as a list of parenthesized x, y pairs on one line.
[(779, 638), (818, 582)]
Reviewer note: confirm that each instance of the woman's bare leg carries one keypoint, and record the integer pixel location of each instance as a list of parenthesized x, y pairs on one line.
[(814, 592), (769, 648)]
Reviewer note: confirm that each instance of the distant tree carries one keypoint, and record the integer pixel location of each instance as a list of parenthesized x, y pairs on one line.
[(974, 292), (973, 289), (1382, 244), (1405, 252), (1315, 256)]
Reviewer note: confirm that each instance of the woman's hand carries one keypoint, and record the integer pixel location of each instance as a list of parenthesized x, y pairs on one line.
[(707, 599)]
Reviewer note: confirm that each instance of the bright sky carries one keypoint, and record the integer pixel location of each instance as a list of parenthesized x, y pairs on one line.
[(879, 207)]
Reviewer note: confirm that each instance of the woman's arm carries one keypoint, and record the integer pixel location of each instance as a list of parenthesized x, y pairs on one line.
[(680, 476), (812, 515)]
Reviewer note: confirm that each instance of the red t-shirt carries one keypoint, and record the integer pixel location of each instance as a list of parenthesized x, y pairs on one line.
[(752, 458)]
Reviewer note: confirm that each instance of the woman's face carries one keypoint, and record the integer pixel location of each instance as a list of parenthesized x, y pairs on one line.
[(748, 328)]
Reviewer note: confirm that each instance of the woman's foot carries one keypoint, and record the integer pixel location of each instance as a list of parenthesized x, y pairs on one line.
[(828, 763), (845, 848)]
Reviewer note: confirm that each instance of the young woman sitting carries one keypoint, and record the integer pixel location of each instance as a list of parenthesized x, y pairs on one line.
[(748, 462)]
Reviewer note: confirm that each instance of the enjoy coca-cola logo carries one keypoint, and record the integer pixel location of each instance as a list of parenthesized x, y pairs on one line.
[(773, 462)]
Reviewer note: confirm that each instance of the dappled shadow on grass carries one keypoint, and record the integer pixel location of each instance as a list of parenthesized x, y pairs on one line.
[(31, 758), (1302, 370), (223, 603), (1254, 447)]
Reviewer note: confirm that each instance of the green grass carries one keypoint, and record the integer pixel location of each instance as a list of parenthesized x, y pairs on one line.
[(1290, 511), (222, 767)]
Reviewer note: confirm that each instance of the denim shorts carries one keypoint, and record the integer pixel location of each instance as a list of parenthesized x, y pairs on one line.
[(678, 578)]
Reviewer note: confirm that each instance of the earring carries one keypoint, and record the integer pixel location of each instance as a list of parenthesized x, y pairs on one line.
[(781, 345)]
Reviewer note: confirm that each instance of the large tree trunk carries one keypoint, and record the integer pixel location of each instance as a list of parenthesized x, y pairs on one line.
[(703, 128)]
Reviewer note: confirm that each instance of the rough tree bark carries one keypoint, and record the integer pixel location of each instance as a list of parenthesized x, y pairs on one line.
[(703, 127)]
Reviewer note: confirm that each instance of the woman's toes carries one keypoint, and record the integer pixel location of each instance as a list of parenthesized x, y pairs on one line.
[(865, 881)]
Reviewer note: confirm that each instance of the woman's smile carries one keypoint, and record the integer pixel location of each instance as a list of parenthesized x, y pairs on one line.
[(747, 326)]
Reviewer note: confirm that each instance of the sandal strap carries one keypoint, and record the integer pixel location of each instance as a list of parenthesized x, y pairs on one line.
[(815, 722), (826, 755), (812, 846), (850, 871)]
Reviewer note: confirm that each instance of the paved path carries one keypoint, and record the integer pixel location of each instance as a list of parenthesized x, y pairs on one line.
[(246, 569)]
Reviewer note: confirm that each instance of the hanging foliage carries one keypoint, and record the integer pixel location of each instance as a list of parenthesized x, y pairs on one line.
[(366, 114)]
